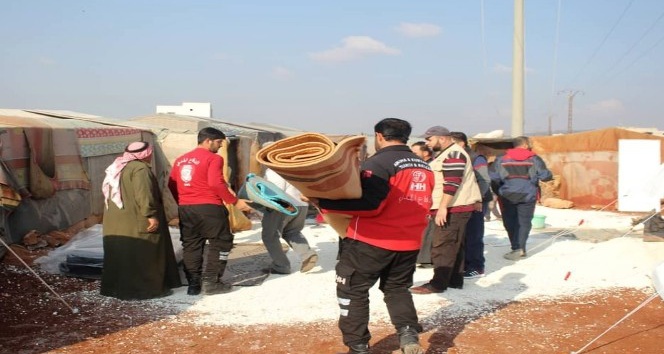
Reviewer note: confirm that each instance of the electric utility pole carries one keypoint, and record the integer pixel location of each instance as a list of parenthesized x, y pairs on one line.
[(570, 106), (517, 70)]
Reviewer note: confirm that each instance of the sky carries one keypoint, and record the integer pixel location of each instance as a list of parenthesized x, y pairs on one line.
[(339, 66)]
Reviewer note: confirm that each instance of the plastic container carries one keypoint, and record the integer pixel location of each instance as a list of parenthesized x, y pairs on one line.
[(538, 221)]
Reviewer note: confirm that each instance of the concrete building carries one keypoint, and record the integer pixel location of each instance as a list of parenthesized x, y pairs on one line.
[(194, 109)]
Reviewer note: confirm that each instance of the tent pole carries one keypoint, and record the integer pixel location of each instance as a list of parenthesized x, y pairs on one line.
[(644, 303), (74, 310)]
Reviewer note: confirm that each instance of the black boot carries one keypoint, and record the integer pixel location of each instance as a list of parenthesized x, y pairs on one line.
[(222, 269), (212, 286), (409, 341), (441, 278), (216, 288), (362, 348), (194, 287), (456, 281)]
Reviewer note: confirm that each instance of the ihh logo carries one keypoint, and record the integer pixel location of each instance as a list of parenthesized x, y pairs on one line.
[(419, 176), (418, 187)]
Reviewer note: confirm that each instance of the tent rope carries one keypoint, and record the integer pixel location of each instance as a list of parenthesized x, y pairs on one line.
[(74, 310), (644, 303), (643, 221), (570, 231), (566, 231)]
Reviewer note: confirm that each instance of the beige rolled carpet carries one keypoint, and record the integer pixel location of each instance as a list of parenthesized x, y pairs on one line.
[(338, 222), (317, 166)]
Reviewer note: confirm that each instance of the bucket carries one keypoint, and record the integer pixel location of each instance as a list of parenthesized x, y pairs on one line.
[(538, 221)]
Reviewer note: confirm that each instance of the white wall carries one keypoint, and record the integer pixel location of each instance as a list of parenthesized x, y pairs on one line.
[(188, 109), (638, 162)]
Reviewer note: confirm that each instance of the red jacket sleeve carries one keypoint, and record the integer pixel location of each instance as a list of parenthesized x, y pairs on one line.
[(217, 182), (173, 185)]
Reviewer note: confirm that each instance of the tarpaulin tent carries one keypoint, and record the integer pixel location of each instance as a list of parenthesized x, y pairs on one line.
[(177, 135), (587, 163), (54, 162)]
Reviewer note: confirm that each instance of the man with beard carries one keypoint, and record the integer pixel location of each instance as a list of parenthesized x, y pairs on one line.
[(198, 186), (455, 195), (139, 262)]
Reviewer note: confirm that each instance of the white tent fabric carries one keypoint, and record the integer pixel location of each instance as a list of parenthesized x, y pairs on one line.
[(658, 279), (654, 184)]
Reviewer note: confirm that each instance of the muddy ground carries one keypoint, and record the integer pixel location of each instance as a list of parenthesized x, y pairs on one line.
[(34, 320)]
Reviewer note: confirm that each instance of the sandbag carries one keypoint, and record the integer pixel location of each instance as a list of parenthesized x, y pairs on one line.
[(557, 203), (238, 221)]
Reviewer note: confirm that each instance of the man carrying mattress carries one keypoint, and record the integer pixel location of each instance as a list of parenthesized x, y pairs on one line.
[(383, 238)]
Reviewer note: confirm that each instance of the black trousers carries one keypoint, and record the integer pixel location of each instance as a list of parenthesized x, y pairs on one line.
[(199, 223), (448, 252), (518, 221), (424, 256), (360, 266), (474, 255)]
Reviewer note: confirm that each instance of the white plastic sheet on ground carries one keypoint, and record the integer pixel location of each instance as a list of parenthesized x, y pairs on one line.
[(90, 242)]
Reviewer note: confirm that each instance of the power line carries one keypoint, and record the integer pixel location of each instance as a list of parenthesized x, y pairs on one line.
[(555, 64), (637, 42), (485, 57), (659, 41), (483, 37), (602, 42), (652, 26)]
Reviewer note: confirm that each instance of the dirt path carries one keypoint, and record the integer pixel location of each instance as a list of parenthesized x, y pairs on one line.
[(33, 320)]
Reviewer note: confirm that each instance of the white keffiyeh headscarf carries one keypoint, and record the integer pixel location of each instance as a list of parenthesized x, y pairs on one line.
[(111, 186)]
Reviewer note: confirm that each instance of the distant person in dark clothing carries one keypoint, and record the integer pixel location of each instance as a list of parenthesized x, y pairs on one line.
[(493, 206), (383, 238), (474, 247), (517, 175), (198, 186), (421, 149), (139, 262)]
